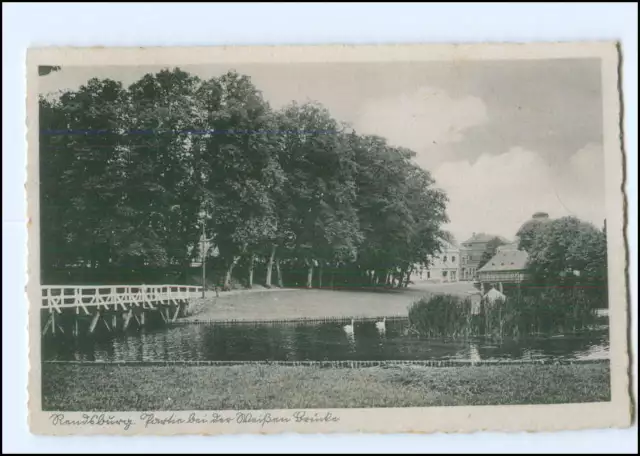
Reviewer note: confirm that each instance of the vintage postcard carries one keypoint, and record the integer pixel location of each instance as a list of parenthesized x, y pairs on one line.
[(320, 239)]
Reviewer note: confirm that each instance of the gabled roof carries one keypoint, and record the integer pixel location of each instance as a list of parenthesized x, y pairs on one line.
[(484, 237), (506, 260)]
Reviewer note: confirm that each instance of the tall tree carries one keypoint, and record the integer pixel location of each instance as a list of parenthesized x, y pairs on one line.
[(242, 168), (320, 191), (527, 233), (400, 211), (292, 188), (568, 246), (162, 196), (80, 138)]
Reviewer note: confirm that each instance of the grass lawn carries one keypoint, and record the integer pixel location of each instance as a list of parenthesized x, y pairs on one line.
[(315, 303), (135, 388)]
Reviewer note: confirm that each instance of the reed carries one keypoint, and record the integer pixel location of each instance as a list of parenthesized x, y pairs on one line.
[(544, 311), (441, 316)]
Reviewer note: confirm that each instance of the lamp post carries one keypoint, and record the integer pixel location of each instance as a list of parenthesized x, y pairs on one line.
[(203, 249)]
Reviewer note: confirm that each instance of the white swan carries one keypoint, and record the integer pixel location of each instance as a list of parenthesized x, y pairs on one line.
[(381, 326), (349, 328)]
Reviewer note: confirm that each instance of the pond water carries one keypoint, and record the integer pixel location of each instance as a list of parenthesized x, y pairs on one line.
[(312, 342)]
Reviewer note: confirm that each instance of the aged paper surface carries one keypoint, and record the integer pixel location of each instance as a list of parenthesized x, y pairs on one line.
[(372, 252)]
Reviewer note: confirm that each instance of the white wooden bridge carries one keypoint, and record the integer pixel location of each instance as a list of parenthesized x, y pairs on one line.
[(116, 306)]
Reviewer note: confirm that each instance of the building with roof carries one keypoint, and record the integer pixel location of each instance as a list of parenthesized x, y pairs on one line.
[(507, 266), (444, 266), (471, 253)]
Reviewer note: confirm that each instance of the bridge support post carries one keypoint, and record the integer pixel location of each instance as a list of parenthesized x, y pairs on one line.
[(47, 325), (177, 312), (94, 322), (127, 319)]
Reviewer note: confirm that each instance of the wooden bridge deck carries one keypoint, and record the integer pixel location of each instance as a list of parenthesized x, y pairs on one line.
[(69, 305)]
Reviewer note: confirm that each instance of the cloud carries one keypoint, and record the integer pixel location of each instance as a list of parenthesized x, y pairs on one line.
[(425, 120), (588, 162), (498, 193), (581, 184)]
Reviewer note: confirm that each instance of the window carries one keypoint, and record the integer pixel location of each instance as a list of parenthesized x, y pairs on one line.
[(428, 274), (453, 259), (444, 258), (444, 273)]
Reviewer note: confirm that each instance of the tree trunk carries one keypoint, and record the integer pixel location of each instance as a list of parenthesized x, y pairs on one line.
[(331, 278), (320, 274), (267, 281), (310, 275), (227, 277), (279, 273), (251, 262), (408, 279)]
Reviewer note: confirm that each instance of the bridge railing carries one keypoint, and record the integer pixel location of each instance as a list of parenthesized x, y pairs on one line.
[(114, 296)]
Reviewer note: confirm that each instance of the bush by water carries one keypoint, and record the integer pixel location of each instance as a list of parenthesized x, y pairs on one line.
[(543, 311)]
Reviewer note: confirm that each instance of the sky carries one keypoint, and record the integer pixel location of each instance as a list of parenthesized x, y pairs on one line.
[(503, 139)]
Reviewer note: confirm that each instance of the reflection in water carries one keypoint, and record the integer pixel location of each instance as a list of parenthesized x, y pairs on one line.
[(474, 354), (360, 340), (350, 332)]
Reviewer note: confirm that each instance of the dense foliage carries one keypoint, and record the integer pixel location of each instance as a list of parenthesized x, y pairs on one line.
[(126, 172), (568, 244), (568, 252)]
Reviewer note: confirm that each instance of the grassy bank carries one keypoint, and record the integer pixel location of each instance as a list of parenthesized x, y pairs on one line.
[(129, 388), (315, 303)]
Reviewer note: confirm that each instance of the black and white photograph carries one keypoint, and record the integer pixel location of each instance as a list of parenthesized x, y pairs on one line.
[(221, 239)]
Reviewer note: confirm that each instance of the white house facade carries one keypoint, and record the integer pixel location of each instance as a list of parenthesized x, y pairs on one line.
[(443, 267)]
